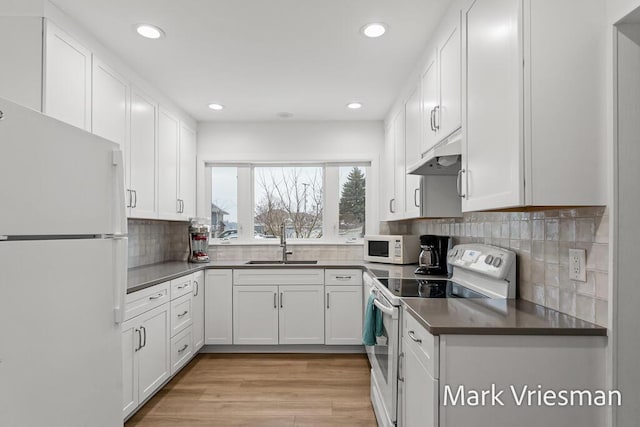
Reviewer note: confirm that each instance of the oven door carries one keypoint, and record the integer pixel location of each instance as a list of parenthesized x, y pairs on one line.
[(384, 363)]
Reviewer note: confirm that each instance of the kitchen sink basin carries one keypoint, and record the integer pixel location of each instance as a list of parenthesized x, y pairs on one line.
[(289, 262)]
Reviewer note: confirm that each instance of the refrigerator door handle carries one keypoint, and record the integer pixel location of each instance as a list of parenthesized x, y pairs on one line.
[(120, 205), (120, 252)]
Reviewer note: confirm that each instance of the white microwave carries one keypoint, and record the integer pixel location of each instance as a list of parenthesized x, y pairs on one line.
[(392, 249)]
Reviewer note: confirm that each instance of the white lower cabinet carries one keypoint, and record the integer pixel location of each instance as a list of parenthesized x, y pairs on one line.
[(181, 349), (145, 357), (420, 393), (218, 306), (343, 315), (272, 306), (301, 314), (255, 314), (198, 310), (418, 375), (181, 313)]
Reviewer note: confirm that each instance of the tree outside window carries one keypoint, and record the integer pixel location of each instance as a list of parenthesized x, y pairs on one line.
[(292, 196), (352, 202)]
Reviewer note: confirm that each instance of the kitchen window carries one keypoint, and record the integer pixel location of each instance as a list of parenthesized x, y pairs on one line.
[(224, 202), (316, 202)]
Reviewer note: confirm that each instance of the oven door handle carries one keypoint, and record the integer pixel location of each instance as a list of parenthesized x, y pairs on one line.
[(383, 308)]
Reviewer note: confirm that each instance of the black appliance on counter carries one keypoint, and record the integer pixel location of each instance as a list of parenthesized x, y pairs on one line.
[(433, 258)]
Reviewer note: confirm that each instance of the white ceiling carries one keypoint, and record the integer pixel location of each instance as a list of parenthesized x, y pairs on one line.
[(261, 57)]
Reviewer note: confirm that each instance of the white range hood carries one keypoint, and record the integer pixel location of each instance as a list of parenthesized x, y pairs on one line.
[(443, 159)]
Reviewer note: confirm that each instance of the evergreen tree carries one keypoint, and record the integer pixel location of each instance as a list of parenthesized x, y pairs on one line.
[(352, 199)]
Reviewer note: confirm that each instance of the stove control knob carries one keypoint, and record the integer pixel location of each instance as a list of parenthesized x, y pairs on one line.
[(488, 259), (497, 262)]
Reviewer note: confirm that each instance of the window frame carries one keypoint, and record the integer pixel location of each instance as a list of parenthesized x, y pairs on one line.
[(330, 197)]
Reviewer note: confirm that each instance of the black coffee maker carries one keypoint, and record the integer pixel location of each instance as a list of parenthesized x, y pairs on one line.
[(433, 258)]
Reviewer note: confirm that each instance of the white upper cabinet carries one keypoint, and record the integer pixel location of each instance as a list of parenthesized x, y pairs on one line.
[(399, 166), (430, 101), (387, 177), (109, 104), (169, 137), (494, 102), (534, 97), (412, 122), (449, 112), (67, 78), (187, 172), (440, 85), (141, 157)]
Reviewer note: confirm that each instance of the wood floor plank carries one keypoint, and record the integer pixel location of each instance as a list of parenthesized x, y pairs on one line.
[(264, 390)]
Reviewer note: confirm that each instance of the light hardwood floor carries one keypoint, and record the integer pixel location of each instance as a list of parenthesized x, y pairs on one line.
[(264, 390)]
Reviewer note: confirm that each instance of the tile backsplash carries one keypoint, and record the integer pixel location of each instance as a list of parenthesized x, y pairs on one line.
[(153, 241), (542, 240), (274, 252)]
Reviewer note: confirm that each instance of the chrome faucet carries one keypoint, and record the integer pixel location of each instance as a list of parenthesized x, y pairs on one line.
[(283, 242)]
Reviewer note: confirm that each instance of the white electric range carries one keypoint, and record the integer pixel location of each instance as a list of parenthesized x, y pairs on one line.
[(479, 271)]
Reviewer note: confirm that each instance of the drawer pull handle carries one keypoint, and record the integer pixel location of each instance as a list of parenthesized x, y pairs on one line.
[(413, 337), (184, 313), (156, 296), (183, 286), (183, 348), (343, 277)]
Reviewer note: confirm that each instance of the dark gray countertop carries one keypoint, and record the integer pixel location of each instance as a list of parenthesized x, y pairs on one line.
[(139, 278), (495, 317), (439, 316)]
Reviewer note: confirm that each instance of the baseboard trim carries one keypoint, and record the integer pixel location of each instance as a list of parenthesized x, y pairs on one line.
[(323, 349)]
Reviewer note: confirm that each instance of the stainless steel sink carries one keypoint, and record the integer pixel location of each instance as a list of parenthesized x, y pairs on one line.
[(292, 262)]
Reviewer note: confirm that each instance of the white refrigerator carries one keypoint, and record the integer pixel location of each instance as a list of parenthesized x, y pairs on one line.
[(63, 266)]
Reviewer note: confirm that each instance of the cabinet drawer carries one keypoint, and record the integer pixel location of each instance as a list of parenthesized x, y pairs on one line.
[(350, 277), (144, 300), (181, 286), (289, 276), (181, 313), (425, 345), (181, 350)]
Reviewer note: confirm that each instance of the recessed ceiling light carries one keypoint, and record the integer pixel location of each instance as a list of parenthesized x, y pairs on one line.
[(216, 107), (285, 115), (354, 105), (149, 31), (373, 30)]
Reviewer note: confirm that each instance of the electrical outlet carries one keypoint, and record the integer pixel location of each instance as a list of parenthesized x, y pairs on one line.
[(578, 265)]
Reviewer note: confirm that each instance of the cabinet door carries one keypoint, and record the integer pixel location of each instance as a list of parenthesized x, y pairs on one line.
[(168, 138), (187, 172), (448, 117), (301, 314), (153, 357), (400, 169), (492, 146), (130, 345), (343, 315), (412, 154), (198, 310), (420, 393), (218, 295), (255, 315), (387, 179), (430, 100), (142, 156), (109, 105), (67, 79)]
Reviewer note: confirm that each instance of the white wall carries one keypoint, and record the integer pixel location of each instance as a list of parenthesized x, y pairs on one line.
[(292, 141)]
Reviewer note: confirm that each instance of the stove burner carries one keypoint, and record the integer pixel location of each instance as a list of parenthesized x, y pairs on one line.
[(427, 288)]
